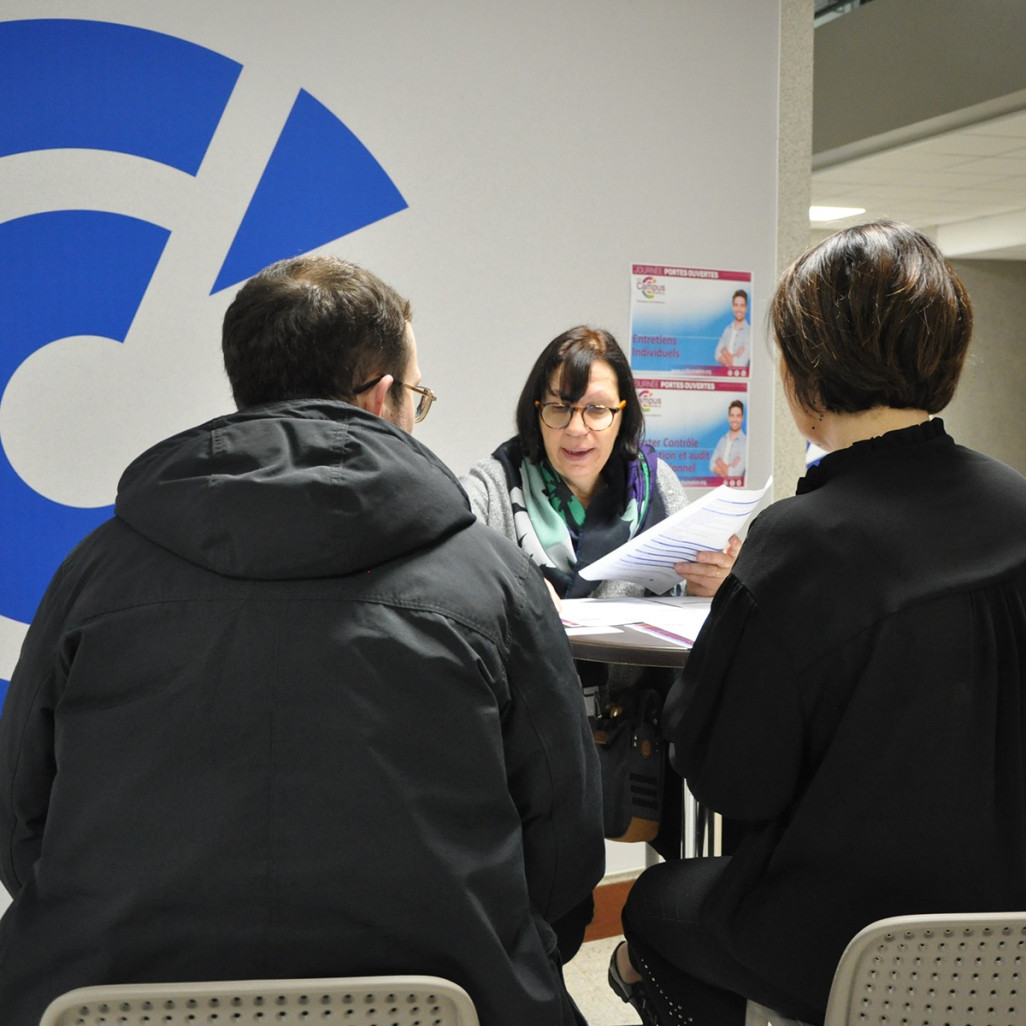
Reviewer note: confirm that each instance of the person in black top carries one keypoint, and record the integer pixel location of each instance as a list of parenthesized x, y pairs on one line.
[(855, 699)]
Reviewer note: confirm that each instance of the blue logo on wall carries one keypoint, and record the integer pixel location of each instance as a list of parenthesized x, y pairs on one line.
[(71, 84)]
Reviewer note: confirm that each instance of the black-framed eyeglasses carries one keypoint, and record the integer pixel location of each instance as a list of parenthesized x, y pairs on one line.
[(420, 411), (595, 417)]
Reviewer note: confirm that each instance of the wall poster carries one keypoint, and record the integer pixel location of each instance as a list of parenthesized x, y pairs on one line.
[(691, 346)]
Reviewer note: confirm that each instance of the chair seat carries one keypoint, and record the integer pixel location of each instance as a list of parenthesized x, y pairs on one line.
[(928, 970), (363, 1000)]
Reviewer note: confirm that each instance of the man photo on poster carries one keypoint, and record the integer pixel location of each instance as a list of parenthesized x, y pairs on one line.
[(729, 458), (735, 346)]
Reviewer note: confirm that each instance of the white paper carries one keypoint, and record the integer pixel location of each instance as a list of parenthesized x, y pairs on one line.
[(681, 616), (706, 524)]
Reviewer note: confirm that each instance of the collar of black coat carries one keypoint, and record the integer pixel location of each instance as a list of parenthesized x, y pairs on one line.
[(892, 443)]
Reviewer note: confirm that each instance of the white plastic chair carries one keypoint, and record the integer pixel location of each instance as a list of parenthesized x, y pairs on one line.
[(927, 970), (362, 1000), (933, 970)]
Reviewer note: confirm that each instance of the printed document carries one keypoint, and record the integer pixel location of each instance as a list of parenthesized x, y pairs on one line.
[(648, 558), (675, 619)]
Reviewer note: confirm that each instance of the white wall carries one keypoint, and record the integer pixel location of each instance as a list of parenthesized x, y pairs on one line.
[(541, 148)]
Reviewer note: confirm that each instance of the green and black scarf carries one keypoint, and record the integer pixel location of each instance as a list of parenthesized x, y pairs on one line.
[(558, 533)]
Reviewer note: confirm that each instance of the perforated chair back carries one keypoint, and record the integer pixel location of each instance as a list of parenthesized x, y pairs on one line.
[(933, 970), (352, 1001)]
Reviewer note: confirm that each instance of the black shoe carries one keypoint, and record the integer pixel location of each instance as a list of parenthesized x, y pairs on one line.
[(633, 993)]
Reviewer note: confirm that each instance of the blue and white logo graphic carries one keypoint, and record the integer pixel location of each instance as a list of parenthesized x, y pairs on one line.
[(86, 273)]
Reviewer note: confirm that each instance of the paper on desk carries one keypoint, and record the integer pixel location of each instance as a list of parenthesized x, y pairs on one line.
[(705, 524), (680, 616)]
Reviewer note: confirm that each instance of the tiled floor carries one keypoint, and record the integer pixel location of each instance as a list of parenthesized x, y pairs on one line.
[(586, 980)]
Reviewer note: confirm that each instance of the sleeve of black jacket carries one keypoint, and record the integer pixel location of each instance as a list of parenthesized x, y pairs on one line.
[(737, 695), (27, 757), (552, 767)]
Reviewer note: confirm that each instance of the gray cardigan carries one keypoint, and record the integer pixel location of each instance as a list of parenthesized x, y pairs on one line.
[(485, 484)]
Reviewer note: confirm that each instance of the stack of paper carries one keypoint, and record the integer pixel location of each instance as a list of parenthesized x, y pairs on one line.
[(674, 619), (707, 523)]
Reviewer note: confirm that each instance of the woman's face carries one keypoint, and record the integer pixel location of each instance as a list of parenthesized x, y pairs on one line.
[(577, 453)]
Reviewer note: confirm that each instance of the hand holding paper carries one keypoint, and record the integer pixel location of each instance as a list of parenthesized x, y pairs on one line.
[(706, 524), (707, 571)]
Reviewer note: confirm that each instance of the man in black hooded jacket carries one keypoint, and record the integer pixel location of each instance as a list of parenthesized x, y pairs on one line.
[(292, 712)]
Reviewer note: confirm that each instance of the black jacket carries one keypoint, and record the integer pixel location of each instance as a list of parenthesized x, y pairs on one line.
[(293, 712), (857, 699)]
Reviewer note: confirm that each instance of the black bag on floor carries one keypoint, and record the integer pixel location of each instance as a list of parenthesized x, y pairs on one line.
[(632, 758)]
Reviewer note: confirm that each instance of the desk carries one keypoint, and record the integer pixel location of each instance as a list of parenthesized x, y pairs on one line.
[(632, 647)]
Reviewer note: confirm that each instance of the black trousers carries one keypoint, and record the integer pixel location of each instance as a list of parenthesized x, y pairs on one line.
[(688, 974)]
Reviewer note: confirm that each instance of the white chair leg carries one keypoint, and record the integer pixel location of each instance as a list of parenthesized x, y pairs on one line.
[(760, 1015)]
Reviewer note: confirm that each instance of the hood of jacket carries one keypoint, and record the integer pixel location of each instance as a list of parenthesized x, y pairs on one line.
[(292, 490)]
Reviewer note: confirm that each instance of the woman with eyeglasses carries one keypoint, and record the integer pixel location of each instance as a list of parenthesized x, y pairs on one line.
[(576, 481)]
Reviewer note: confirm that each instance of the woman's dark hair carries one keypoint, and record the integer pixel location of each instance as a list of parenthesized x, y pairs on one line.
[(872, 316), (574, 352), (313, 327)]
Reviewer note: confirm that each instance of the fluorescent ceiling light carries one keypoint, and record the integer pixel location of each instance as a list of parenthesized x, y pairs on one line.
[(821, 214)]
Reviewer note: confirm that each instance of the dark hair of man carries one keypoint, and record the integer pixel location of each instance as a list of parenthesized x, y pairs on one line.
[(574, 352), (872, 316), (736, 404), (742, 294), (313, 328)]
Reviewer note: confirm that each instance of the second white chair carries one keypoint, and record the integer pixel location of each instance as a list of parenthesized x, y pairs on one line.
[(927, 970), (362, 1001)]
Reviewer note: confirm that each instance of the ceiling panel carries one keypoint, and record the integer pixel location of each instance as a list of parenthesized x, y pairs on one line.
[(966, 188)]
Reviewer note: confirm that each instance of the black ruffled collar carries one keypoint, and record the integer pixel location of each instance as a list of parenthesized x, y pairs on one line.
[(870, 449)]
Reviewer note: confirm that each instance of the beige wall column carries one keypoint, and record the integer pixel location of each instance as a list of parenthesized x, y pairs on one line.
[(986, 413), (794, 175)]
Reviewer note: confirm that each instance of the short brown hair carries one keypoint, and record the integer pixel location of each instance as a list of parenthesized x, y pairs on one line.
[(872, 316), (313, 327)]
